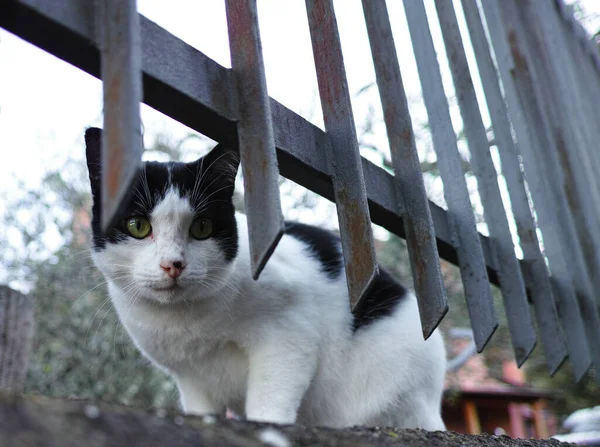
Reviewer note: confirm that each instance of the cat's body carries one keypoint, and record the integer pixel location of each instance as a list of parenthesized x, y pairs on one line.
[(284, 348)]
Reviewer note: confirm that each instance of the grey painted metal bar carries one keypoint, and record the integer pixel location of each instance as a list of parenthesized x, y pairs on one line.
[(526, 122), (512, 286), (536, 274), (559, 143), (119, 32), (418, 225), (344, 157), (460, 212), (567, 106), (587, 84), (587, 59), (255, 134), (183, 83)]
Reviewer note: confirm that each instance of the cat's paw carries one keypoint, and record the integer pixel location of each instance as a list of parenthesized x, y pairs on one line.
[(272, 415)]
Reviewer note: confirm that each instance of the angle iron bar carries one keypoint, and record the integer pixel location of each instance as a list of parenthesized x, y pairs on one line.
[(567, 105), (418, 225), (255, 134), (185, 84), (588, 83), (578, 229), (524, 124), (344, 157), (578, 32), (198, 94), (512, 286), (460, 212), (536, 274), (119, 34)]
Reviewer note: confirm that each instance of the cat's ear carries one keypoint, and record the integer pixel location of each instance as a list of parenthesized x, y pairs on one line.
[(221, 159), (93, 153)]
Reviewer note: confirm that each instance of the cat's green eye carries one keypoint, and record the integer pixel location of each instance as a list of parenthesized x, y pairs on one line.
[(201, 228), (139, 227)]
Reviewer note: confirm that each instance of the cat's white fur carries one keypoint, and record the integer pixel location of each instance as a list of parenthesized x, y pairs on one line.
[(279, 349)]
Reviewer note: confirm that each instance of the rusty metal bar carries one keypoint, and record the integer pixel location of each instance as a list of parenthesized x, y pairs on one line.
[(527, 121), (188, 86), (588, 80), (418, 225), (567, 139), (255, 134), (511, 281), (119, 34), (535, 274), (460, 212), (567, 106), (198, 94), (344, 157)]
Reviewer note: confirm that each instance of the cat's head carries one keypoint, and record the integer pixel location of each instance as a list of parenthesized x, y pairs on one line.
[(179, 238)]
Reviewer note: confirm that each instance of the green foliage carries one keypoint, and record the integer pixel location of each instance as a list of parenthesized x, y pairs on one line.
[(80, 348)]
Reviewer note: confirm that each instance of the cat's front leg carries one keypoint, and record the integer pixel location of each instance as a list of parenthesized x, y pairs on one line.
[(279, 375), (193, 396)]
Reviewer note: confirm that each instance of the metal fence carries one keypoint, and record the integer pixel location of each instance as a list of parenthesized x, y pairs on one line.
[(541, 79)]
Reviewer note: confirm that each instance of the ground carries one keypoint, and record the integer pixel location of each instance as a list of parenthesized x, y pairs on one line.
[(37, 421)]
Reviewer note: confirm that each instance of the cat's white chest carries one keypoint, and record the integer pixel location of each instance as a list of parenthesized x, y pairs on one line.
[(184, 347)]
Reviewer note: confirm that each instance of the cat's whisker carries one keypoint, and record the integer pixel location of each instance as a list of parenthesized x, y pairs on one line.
[(205, 171), (204, 199), (102, 320), (207, 188), (93, 318)]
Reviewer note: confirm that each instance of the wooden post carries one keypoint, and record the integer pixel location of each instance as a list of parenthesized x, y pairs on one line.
[(517, 426), (472, 418), (539, 419), (16, 333)]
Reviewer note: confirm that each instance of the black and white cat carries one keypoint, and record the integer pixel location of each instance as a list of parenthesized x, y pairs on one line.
[(285, 348)]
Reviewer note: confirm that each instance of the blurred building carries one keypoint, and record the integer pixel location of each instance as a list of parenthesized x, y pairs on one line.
[(475, 402)]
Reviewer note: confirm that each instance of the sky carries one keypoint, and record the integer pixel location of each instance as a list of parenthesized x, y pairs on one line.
[(45, 104)]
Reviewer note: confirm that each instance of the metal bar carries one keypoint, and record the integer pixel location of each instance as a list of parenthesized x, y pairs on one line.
[(418, 225), (578, 227), (536, 274), (470, 254), (183, 83), (255, 134), (587, 79), (186, 85), (344, 157), (567, 106), (526, 121), (589, 83), (512, 286), (122, 146)]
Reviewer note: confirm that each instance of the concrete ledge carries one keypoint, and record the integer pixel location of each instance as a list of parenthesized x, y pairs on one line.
[(37, 421)]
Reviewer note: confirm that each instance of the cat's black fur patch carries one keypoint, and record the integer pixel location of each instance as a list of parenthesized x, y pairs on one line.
[(324, 244), (383, 296), (217, 171), (212, 196), (381, 300)]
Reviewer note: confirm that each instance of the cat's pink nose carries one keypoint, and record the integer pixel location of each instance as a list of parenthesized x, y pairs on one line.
[(173, 268)]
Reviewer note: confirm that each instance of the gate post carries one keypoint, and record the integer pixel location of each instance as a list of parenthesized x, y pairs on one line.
[(16, 334)]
